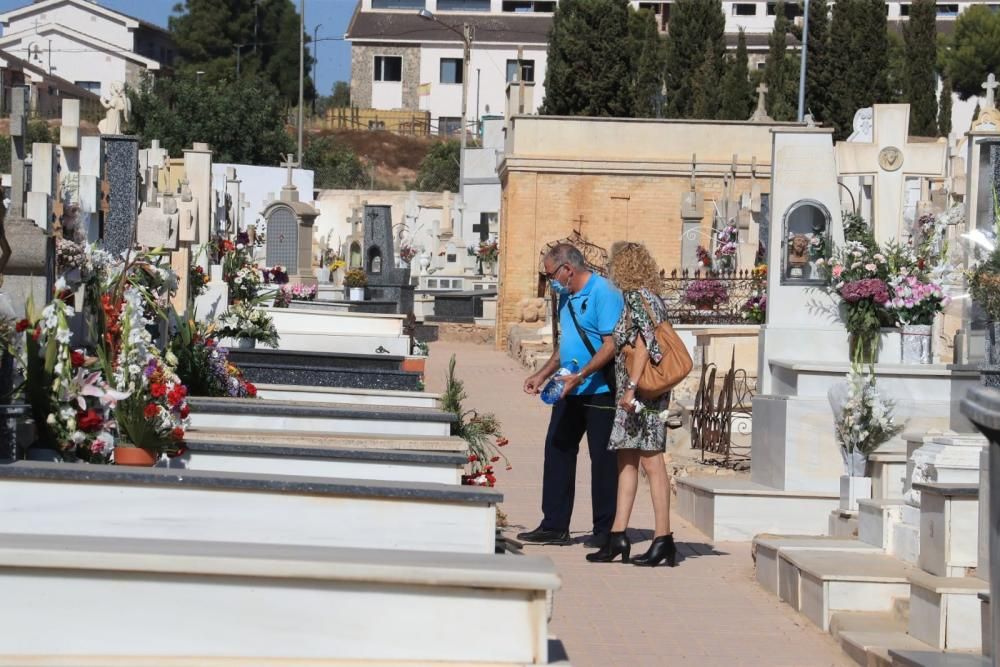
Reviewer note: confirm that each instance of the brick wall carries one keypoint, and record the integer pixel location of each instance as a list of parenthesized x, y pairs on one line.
[(542, 207)]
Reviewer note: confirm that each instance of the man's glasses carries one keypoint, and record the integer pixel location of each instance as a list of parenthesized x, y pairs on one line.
[(555, 272)]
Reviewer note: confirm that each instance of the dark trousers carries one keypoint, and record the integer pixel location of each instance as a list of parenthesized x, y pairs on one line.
[(573, 417)]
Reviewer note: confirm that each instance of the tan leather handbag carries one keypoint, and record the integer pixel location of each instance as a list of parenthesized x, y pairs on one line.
[(657, 379)]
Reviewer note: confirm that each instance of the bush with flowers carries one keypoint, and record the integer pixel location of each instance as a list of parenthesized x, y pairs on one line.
[(204, 366), (725, 248), (356, 278), (706, 293), (481, 432)]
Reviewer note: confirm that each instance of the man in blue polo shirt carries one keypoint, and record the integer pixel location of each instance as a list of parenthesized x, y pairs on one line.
[(589, 308)]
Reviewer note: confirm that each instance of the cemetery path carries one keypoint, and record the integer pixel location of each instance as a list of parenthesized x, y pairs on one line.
[(707, 611)]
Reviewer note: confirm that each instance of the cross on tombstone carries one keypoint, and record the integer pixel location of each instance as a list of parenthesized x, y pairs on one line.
[(990, 87), (890, 159), (760, 113), (18, 132), (578, 225), (483, 228), (290, 164)]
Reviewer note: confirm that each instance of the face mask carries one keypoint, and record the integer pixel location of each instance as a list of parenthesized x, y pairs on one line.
[(558, 287)]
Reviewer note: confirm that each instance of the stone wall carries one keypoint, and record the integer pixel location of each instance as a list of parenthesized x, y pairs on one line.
[(362, 64), (465, 333)]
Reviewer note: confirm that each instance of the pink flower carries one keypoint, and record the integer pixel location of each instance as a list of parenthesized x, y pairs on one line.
[(837, 270), (870, 266)]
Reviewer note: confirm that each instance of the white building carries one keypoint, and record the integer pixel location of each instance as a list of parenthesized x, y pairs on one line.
[(85, 43)]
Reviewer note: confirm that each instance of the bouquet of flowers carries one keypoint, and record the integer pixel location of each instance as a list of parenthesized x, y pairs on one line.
[(244, 320), (858, 275), (706, 293), (862, 419), (198, 280), (915, 301), (356, 278), (204, 367), (725, 248), (300, 292), (817, 247), (407, 253), (754, 310), (488, 251), (244, 283), (276, 274), (704, 258), (984, 278), (154, 414), (69, 255)]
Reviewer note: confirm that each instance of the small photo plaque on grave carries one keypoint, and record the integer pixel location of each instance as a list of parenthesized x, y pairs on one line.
[(806, 240)]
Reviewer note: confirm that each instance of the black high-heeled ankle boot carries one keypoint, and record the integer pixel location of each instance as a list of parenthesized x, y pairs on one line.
[(662, 548), (618, 543)]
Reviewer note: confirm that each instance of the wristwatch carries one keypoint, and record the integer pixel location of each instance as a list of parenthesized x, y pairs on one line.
[(629, 385)]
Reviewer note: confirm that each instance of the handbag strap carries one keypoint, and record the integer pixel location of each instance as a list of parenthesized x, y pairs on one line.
[(579, 329)]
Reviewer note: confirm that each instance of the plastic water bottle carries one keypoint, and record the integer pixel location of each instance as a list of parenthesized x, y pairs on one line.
[(553, 390)]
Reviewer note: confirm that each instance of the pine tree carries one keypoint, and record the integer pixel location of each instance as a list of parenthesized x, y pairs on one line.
[(944, 109), (648, 63), (779, 70), (920, 36), (737, 93), (692, 24), (705, 90), (590, 60), (817, 61)]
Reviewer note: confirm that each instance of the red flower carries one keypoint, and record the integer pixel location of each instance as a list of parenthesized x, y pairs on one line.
[(150, 411), (89, 421), (177, 434), (36, 334), (157, 390), (77, 358), (178, 452), (185, 411), (176, 395), (210, 342), (22, 325), (502, 442), (473, 458), (251, 390), (494, 459)]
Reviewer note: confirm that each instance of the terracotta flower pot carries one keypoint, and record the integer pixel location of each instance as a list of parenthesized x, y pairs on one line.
[(416, 364), (134, 456)]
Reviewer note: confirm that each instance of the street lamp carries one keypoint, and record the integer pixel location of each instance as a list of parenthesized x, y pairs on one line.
[(466, 34), (315, 63)]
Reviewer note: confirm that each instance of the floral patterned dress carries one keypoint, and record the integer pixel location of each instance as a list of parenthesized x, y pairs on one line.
[(643, 431)]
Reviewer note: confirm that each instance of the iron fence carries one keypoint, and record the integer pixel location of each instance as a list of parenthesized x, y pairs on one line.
[(710, 297)]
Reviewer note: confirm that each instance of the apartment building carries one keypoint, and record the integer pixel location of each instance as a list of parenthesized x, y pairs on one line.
[(85, 43)]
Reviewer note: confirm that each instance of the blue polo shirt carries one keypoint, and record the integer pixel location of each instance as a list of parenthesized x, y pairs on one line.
[(597, 306)]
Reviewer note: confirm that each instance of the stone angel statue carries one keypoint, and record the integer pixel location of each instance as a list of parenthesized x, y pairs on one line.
[(118, 107)]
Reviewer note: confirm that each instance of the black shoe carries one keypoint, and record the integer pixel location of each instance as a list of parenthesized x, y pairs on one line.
[(598, 540), (617, 544), (662, 549), (543, 536)]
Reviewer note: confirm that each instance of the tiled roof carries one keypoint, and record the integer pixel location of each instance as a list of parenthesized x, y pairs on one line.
[(489, 28)]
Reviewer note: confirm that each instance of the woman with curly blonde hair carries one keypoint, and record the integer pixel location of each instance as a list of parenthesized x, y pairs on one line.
[(638, 435)]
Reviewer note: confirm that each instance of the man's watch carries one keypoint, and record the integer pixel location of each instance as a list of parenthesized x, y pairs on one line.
[(629, 385)]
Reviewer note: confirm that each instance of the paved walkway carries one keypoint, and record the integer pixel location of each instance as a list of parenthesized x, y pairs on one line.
[(707, 611)]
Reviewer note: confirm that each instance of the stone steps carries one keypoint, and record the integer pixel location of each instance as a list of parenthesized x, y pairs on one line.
[(326, 462), (945, 612), (278, 392), (246, 604), (159, 503), (767, 550), (873, 648), (419, 443), (306, 416)]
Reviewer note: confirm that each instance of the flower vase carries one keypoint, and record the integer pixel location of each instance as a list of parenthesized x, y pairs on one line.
[(917, 344), (357, 294), (852, 489), (855, 463), (324, 275), (863, 349), (245, 343), (134, 456)]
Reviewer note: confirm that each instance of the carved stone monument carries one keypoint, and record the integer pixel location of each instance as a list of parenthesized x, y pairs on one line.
[(290, 231), (385, 282)]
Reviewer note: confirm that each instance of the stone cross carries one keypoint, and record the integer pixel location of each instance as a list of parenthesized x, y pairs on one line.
[(760, 114), (39, 205), (241, 208), (290, 164), (990, 87), (890, 159), (18, 132)]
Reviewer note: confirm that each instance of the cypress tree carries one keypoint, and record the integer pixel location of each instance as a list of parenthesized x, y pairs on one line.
[(817, 61), (779, 70), (705, 88), (944, 109), (692, 24), (647, 57), (589, 71), (737, 93), (858, 60), (920, 37)]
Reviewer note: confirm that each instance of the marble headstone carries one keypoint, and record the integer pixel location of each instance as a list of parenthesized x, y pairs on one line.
[(385, 281), (121, 167)]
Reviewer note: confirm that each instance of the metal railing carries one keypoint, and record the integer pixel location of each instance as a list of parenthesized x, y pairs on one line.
[(723, 296), (716, 413)]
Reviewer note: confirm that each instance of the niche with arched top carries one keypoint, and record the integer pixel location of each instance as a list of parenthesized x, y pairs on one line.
[(805, 240), (374, 260)]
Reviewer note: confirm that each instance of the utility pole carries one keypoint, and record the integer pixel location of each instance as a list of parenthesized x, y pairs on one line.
[(315, 62), (802, 62), (302, 54)]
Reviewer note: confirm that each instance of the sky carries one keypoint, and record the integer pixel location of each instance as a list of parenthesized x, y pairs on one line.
[(332, 17)]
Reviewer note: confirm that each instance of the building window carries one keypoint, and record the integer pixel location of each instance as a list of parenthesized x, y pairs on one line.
[(792, 10), (527, 70), (397, 4), (744, 9), (388, 68), (448, 125), (463, 5), (519, 6), (451, 70), (904, 9), (92, 86), (950, 9)]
